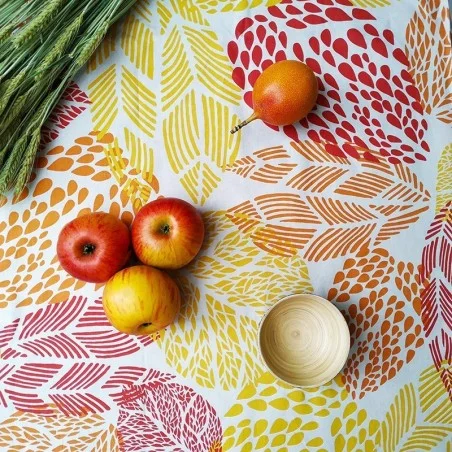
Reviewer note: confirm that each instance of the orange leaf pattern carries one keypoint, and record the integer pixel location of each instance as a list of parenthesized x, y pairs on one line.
[(333, 217), (428, 48), (385, 326)]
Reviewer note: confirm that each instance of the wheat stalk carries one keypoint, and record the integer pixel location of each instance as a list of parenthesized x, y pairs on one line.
[(5, 32), (91, 45), (38, 24), (28, 161), (12, 164), (60, 46), (15, 111), (11, 88), (43, 43)]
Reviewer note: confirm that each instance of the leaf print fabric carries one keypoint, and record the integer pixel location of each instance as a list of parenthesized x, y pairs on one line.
[(353, 203)]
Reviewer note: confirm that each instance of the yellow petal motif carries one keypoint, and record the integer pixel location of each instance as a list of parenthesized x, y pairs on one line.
[(444, 179), (225, 335), (224, 6)]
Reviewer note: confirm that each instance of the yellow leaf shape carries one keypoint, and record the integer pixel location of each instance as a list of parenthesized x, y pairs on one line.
[(165, 16), (444, 179), (139, 102), (176, 74), (141, 156), (261, 434), (434, 398), (232, 337), (429, 55), (426, 437), (181, 133), (371, 3), (102, 92), (200, 174), (186, 10), (353, 430), (116, 161), (220, 146), (399, 419), (224, 6), (269, 408), (138, 44), (29, 431), (104, 50), (143, 8), (272, 278), (224, 336), (236, 338), (212, 64)]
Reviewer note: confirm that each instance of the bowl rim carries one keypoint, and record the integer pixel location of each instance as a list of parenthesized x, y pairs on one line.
[(323, 301)]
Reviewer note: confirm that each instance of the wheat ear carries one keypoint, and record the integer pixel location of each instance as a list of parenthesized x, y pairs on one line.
[(37, 25)]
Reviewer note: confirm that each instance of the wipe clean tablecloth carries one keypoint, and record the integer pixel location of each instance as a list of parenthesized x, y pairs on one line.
[(353, 204)]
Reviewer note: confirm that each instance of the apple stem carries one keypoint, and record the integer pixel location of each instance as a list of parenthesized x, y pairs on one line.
[(244, 123), (145, 325), (88, 248)]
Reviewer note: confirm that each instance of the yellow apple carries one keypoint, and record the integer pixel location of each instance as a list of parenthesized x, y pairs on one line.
[(141, 300)]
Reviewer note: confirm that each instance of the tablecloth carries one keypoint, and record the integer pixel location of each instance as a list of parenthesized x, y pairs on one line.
[(353, 204)]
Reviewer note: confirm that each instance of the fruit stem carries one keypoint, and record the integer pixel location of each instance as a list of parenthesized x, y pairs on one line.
[(88, 248), (244, 123), (146, 324)]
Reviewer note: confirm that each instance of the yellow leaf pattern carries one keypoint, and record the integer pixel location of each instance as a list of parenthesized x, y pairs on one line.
[(138, 44), (400, 418), (105, 49), (139, 102), (434, 399), (226, 334), (352, 430), (212, 67), (407, 430), (142, 157), (102, 91), (444, 179), (143, 9), (199, 172), (224, 6), (249, 425), (192, 91), (176, 74), (371, 3)]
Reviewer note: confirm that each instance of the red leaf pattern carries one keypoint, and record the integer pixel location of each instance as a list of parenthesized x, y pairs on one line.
[(384, 112), (72, 104), (162, 415), (436, 297), (42, 347)]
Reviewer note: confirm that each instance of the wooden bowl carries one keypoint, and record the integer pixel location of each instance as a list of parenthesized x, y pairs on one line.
[(304, 340)]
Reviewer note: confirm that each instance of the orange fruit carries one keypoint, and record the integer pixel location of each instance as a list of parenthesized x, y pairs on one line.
[(283, 94)]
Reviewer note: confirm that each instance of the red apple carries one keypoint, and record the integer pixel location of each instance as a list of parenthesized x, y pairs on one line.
[(167, 233), (94, 247)]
